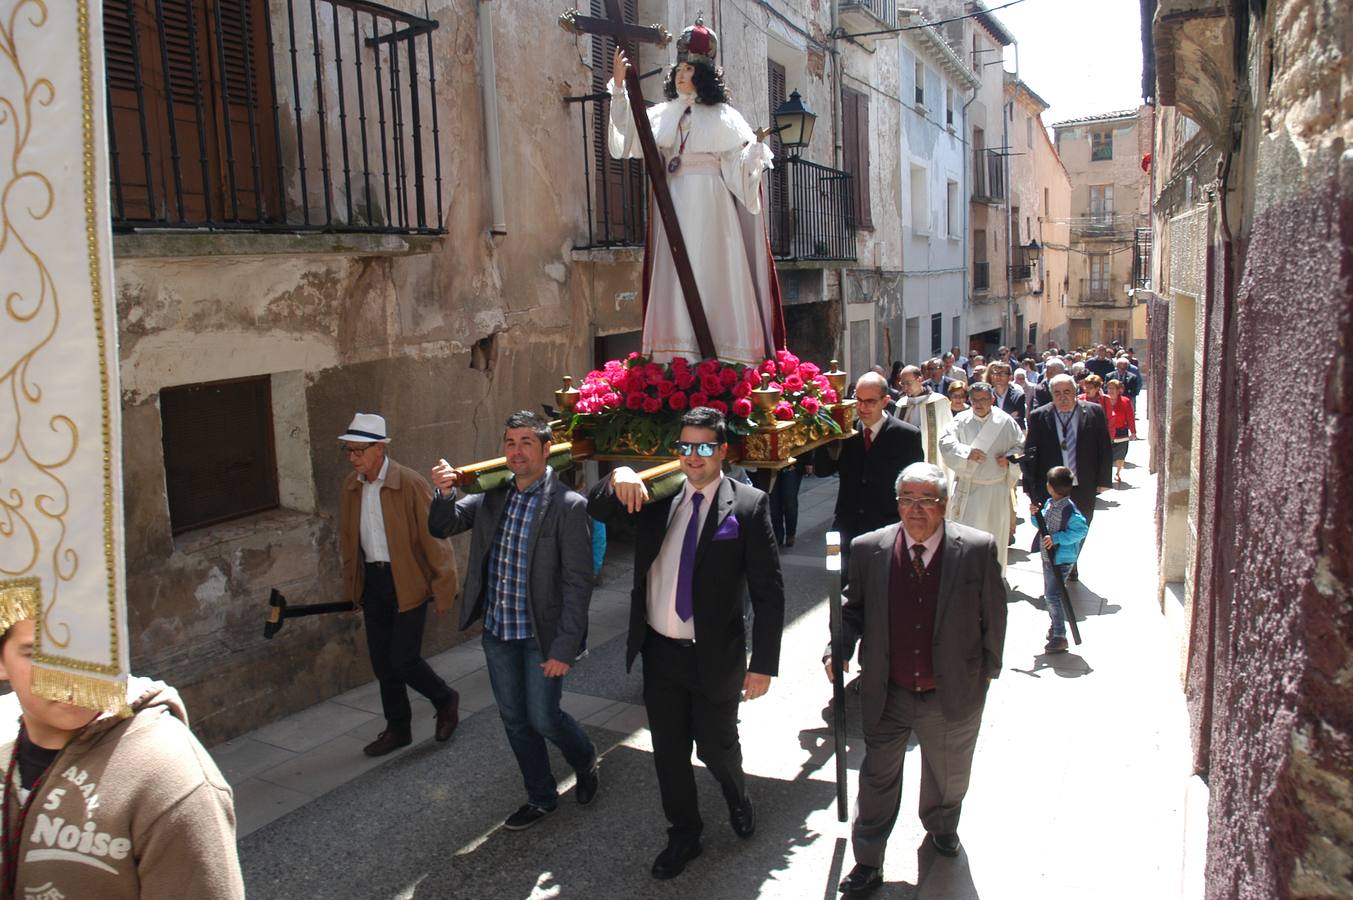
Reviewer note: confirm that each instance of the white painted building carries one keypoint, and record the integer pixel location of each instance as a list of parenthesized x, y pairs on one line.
[(936, 82)]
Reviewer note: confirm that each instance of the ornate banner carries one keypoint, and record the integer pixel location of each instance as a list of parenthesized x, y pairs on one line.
[(61, 542)]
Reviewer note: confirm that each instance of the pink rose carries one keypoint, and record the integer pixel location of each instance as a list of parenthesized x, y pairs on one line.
[(751, 376), (677, 400), (634, 355), (810, 405), (665, 387), (699, 398), (680, 362), (711, 384), (742, 407), (708, 367), (829, 396), (719, 405), (634, 400), (807, 371), (793, 383), (728, 376), (611, 400), (783, 411), (742, 389), (652, 405), (684, 379), (822, 383), (768, 368), (653, 373)]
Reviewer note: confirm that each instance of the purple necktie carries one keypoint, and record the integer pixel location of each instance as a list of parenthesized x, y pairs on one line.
[(685, 596)]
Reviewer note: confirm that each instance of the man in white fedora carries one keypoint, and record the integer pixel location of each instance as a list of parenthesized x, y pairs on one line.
[(392, 565)]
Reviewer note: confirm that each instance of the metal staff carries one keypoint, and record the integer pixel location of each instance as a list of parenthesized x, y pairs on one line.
[(1061, 582), (838, 674), (279, 612)]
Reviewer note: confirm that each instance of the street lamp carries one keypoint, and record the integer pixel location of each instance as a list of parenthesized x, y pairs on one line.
[(1033, 250), (794, 122)]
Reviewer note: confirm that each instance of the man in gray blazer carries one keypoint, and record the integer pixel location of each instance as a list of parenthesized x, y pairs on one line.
[(926, 602), (530, 577)]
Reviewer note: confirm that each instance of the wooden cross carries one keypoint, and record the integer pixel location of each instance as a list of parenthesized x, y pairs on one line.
[(615, 26)]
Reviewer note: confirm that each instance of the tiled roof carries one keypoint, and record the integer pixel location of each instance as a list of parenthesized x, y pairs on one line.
[(1102, 117)]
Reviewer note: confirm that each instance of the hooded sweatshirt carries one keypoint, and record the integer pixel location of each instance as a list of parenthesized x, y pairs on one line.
[(130, 808)]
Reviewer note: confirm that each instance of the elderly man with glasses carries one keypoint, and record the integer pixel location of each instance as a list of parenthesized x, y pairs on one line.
[(392, 565), (868, 462), (922, 672), (696, 555)]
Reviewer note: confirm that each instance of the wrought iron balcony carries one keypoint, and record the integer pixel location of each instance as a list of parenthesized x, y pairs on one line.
[(1106, 226), (1021, 272), (1101, 292), (617, 195), (307, 115), (988, 176), (808, 208), (859, 16), (981, 276)]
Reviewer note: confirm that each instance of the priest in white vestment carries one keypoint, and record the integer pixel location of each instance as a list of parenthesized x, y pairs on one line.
[(715, 163), (925, 409), (975, 448)]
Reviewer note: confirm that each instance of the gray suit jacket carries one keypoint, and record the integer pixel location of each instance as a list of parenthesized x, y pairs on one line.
[(969, 623), (558, 557)]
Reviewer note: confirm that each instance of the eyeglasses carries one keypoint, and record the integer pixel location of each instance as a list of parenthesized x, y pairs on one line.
[(357, 451), (703, 448), (918, 502)]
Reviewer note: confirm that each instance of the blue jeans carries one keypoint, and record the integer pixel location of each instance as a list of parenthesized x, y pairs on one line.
[(1052, 594), (529, 705)]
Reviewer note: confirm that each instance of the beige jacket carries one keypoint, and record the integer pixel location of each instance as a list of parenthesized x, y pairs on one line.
[(130, 808), (423, 566)]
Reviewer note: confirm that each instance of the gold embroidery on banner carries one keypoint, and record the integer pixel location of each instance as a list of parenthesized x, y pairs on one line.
[(27, 454)]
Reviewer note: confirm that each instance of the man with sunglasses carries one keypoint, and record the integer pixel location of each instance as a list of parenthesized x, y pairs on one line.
[(392, 565), (926, 604), (868, 462), (696, 556)]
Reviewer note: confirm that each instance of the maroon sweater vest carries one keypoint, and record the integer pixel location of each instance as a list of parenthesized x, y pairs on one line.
[(912, 602)]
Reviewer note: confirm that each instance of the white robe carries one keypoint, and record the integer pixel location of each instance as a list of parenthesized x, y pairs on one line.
[(721, 169), (981, 495), (929, 412)]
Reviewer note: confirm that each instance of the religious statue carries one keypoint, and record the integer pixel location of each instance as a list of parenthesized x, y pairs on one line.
[(714, 163)]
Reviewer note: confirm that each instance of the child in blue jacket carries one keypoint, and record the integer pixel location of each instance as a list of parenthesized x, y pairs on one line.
[(1067, 529)]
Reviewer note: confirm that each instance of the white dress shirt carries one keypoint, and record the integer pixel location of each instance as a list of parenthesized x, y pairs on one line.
[(662, 575), (372, 531)]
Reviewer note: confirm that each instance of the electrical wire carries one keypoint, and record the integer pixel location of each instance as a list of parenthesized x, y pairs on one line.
[(927, 24)]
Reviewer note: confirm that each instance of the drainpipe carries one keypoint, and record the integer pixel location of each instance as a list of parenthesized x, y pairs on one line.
[(1007, 110), (836, 162), (488, 86), (967, 213)]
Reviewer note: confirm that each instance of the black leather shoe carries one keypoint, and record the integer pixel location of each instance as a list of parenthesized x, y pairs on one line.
[(671, 862), (588, 782), (946, 844), (448, 717), (388, 741), (861, 880), (742, 817)]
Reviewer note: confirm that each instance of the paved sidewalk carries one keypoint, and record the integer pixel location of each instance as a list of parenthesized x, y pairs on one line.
[(1078, 788)]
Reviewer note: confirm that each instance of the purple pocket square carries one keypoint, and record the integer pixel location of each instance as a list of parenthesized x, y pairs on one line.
[(729, 529)]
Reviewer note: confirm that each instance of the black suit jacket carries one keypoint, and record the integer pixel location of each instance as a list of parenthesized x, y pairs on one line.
[(1094, 454), (942, 388), (1014, 404), (726, 570), (865, 499), (1043, 394)]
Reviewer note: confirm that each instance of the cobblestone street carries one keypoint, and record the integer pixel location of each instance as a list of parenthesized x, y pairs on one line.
[(1079, 785)]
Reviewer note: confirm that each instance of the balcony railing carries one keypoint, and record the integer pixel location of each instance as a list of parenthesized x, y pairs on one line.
[(617, 195), (320, 117), (1021, 272), (1097, 292), (981, 276), (1106, 226), (988, 176), (882, 12), (808, 207)]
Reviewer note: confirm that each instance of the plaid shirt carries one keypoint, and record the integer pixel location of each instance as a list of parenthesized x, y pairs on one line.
[(1059, 511), (506, 614)]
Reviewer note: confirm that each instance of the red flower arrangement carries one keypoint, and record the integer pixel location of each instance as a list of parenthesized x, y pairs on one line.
[(643, 401)]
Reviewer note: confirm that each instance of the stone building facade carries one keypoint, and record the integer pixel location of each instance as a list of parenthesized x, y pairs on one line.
[(1110, 199), (1251, 320), (1040, 203), (430, 234)]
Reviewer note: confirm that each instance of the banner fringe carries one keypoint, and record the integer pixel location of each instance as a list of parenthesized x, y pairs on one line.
[(88, 691)]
